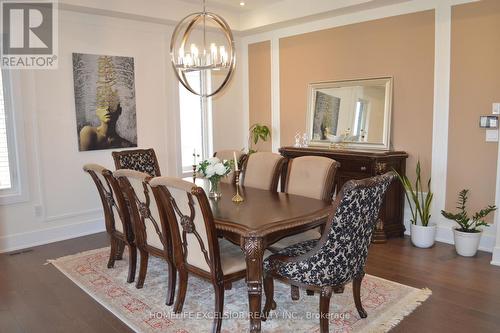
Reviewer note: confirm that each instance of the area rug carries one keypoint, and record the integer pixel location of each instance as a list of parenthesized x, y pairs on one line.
[(144, 310)]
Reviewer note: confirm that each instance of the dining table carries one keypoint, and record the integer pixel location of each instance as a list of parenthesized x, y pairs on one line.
[(261, 219)]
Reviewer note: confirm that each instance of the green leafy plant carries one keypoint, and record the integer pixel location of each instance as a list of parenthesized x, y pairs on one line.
[(420, 204), (257, 131), (466, 223)]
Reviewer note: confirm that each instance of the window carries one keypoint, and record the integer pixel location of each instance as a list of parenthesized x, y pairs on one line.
[(13, 175), (360, 118), (5, 171), (195, 123)]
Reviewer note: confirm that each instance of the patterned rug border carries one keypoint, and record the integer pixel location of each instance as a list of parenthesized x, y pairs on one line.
[(390, 318), (56, 262)]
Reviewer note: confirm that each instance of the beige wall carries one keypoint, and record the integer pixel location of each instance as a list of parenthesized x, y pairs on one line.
[(401, 46), (259, 77), (474, 86)]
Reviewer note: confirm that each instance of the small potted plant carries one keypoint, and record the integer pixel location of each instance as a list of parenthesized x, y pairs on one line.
[(214, 169), (468, 234), (256, 132), (422, 232)]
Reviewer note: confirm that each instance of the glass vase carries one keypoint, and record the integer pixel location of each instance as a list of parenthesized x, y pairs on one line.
[(214, 191)]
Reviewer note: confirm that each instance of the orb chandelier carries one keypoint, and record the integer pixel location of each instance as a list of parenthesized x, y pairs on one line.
[(203, 42)]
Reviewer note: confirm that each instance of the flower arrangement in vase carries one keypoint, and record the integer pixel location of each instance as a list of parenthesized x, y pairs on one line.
[(214, 169)]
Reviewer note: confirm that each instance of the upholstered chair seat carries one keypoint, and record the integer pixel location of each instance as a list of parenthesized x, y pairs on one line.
[(339, 257), (313, 234), (143, 160), (152, 232), (116, 216), (262, 170), (232, 257), (197, 248)]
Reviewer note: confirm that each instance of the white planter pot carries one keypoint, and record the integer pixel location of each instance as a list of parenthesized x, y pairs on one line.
[(466, 243), (421, 236)]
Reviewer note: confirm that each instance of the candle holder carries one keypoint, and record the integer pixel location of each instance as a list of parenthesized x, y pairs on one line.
[(194, 173), (237, 197)]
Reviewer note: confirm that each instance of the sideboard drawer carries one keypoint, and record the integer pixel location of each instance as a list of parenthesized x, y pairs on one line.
[(356, 166)]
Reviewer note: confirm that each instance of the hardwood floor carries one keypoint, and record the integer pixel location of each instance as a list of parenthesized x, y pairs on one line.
[(466, 291)]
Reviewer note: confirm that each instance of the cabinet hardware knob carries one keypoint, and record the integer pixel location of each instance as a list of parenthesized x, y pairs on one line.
[(363, 168)]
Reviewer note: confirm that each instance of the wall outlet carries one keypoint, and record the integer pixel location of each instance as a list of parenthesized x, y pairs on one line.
[(38, 210), (496, 108), (492, 135)]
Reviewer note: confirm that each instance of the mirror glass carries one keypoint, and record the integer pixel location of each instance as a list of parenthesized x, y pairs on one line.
[(353, 113)]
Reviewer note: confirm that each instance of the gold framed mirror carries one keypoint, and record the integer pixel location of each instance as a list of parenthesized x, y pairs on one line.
[(352, 114)]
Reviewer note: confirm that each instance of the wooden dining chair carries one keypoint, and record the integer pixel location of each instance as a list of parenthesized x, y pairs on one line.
[(339, 257), (229, 155), (262, 170), (197, 249), (116, 217), (143, 160), (312, 177), (152, 233)]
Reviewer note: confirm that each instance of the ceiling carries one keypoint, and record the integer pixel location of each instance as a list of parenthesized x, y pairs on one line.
[(234, 4), (255, 17)]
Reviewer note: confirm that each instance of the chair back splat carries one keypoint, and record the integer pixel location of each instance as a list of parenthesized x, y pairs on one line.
[(143, 160)]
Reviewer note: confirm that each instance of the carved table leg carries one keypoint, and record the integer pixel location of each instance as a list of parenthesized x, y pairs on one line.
[(254, 252)]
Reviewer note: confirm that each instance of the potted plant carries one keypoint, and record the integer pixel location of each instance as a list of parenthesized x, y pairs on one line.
[(468, 234), (214, 169), (422, 232), (256, 132)]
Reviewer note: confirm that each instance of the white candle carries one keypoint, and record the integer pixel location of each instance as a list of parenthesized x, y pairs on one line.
[(195, 55), (235, 161), (189, 60), (223, 55), (213, 52)]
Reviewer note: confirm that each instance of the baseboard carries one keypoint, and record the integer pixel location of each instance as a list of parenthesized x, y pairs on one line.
[(495, 258), (49, 235)]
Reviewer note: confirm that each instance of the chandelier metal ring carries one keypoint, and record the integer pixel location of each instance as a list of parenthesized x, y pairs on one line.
[(181, 68)]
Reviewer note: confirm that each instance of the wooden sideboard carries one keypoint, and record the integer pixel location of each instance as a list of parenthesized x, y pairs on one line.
[(357, 164)]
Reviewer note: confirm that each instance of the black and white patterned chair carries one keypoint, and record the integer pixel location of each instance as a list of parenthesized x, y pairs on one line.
[(143, 160), (339, 257)]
